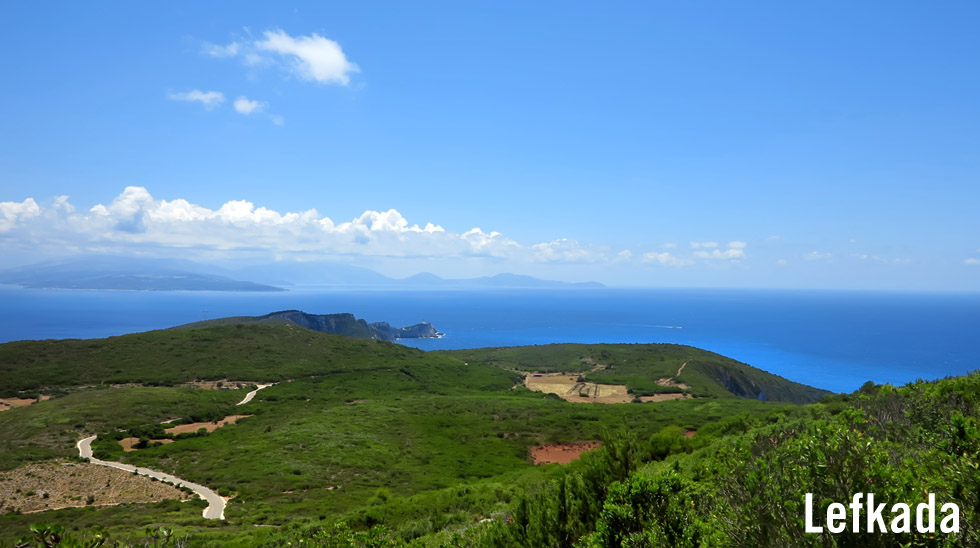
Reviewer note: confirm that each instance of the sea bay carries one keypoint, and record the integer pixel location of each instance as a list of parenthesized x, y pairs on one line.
[(830, 339)]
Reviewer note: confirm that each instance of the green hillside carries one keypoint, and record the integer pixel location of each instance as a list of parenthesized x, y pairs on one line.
[(365, 443), (639, 366), (356, 430), (255, 352)]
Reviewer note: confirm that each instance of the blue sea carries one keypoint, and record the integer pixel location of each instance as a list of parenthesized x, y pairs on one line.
[(833, 340)]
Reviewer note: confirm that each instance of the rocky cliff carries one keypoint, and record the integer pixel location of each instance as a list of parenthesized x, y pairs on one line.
[(348, 325)]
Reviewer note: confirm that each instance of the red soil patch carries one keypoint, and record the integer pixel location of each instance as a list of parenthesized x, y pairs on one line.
[(561, 453), (690, 433)]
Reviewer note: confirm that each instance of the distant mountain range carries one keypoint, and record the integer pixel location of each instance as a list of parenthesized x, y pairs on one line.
[(113, 272), (132, 274)]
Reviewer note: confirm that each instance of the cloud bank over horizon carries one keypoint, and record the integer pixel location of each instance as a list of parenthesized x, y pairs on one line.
[(137, 222)]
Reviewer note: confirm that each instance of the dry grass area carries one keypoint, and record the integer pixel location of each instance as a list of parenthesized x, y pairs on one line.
[(53, 485), (665, 397), (10, 403), (569, 389), (561, 453)]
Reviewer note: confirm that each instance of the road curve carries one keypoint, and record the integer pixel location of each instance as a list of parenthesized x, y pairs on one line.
[(216, 504), (250, 395)]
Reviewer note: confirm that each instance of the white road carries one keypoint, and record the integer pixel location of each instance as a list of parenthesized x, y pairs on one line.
[(216, 504), (250, 395)]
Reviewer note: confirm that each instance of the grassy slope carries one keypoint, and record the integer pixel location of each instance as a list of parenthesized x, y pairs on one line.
[(428, 426), (638, 366), (253, 352)]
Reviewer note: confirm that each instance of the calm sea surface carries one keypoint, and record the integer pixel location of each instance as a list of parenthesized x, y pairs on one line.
[(834, 340)]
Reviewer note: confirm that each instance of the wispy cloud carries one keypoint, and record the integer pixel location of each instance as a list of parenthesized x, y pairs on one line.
[(971, 261), (215, 50), (313, 58), (210, 99), (664, 258), (731, 254), (711, 251), (818, 256), (245, 106)]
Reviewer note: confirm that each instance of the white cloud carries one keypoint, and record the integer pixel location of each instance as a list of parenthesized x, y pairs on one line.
[(311, 57), (210, 99), (277, 120), (12, 212), (735, 251), (818, 256), (564, 250), (732, 254), (215, 50), (61, 203), (782, 262), (135, 219), (670, 245), (244, 106), (971, 261), (665, 258)]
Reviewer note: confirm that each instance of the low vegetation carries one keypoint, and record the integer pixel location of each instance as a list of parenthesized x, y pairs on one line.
[(372, 444)]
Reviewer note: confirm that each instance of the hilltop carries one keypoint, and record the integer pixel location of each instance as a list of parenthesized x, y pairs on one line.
[(649, 369), (338, 324)]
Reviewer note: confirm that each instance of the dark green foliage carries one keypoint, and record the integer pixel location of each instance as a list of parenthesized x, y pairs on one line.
[(254, 352), (748, 490)]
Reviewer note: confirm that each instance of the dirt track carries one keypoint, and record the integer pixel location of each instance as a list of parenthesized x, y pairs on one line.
[(216, 504)]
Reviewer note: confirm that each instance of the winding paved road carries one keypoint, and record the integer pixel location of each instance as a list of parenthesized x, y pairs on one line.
[(216, 504)]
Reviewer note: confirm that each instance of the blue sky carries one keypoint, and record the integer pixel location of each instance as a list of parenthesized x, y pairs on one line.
[(760, 144)]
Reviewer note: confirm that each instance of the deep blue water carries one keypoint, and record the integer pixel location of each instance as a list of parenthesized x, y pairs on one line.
[(834, 340)]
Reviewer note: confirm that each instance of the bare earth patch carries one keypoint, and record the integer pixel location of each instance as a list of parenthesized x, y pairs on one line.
[(10, 403), (209, 426), (672, 381), (561, 453), (129, 444), (69, 485), (569, 389)]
